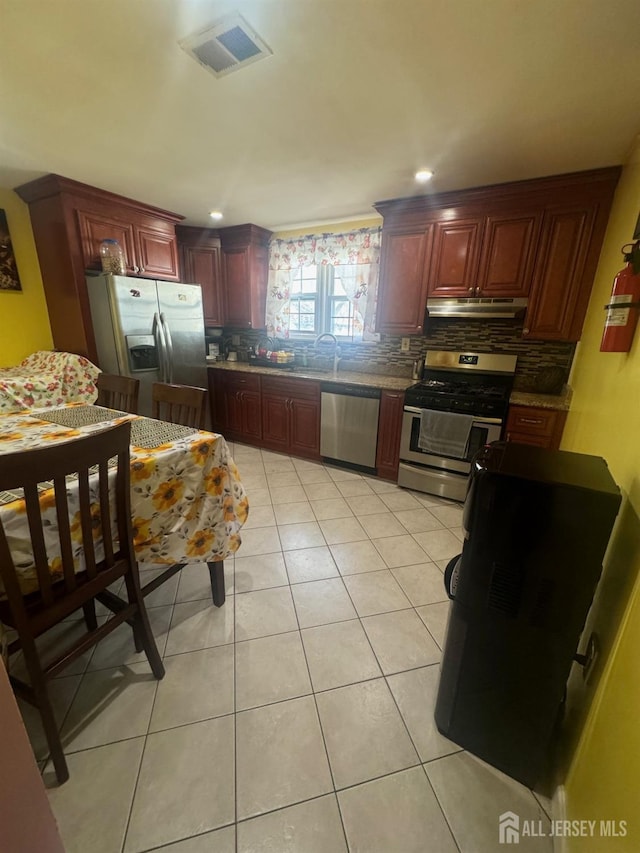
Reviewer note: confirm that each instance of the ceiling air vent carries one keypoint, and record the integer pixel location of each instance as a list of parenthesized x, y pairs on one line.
[(226, 46)]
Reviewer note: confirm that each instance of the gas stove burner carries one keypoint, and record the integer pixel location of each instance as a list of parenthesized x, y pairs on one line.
[(462, 389), (470, 383)]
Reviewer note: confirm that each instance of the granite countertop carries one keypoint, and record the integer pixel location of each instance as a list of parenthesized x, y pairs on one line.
[(560, 401), (350, 377), (389, 383)]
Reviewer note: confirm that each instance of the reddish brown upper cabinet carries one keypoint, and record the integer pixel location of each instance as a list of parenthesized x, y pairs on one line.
[(403, 269), (69, 219), (245, 260), (150, 246), (508, 251), (539, 239), (200, 263), (454, 259), (565, 266), (157, 251), (389, 430)]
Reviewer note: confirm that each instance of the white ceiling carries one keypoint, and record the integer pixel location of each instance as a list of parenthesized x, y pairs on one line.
[(357, 95)]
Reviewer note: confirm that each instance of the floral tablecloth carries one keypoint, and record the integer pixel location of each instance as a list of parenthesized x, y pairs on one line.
[(187, 501), (47, 379)]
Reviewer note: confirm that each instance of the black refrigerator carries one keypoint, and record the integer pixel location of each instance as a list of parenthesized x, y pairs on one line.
[(536, 523)]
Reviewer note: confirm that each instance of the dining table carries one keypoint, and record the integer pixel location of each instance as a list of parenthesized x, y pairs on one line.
[(188, 503)]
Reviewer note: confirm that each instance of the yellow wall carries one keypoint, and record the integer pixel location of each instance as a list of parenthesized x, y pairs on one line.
[(24, 321), (604, 775)]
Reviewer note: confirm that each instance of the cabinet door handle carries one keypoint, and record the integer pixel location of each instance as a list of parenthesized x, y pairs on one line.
[(525, 331), (531, 420), (471, 289), (141, 269), (135, 268), (393, 396)]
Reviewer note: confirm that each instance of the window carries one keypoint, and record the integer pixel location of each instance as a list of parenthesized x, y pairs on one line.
[(326, 283), (319, 302)]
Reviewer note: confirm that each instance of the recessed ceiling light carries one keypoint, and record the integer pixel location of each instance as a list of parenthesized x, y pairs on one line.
[(423, 175), (216, 214)]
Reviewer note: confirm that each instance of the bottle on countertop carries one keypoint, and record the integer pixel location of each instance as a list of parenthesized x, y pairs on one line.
[(418, 365), (112, 257)]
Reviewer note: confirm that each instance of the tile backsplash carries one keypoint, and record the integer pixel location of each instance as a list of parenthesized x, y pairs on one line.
[(498, 336)]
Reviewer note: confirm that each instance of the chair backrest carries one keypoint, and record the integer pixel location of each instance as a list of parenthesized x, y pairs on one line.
[(118, 392), (179, 404), (79, 474)]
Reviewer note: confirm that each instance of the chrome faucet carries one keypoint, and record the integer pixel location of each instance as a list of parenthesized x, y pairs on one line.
[(269, 342), (336, 348)]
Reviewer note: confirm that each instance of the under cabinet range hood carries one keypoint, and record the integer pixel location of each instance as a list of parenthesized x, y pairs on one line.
[(476, 307)]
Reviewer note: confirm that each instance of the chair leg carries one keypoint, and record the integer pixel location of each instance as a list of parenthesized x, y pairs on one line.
[(149, 642), (90, 614), (138, 642), (216, 573), (142, 633), (52, 733)]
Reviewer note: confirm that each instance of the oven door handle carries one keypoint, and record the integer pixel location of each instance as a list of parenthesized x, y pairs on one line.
[(479, 420)]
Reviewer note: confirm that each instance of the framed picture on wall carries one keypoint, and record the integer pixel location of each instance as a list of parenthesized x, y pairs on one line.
[(9, 278)]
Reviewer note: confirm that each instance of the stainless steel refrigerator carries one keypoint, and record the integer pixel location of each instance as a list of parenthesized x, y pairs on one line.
[(151, 330)]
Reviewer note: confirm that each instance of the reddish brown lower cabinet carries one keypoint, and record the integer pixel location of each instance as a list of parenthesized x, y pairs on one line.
[(537, 426), (291, 416), (389, 429), (235, 405)]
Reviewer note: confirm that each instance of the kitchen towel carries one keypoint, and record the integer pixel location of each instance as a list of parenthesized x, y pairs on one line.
[(444, 433)]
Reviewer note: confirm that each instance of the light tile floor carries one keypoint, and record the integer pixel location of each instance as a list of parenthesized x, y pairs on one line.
[(298, 718)]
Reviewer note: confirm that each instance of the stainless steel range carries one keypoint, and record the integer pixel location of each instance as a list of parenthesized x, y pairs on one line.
[(459, 406)]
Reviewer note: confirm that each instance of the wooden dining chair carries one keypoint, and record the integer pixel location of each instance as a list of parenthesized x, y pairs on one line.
[(179, 404), (118, 392), (79, 473)]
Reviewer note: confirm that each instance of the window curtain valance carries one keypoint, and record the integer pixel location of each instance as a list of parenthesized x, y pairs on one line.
[(359, 250), (355, 247)]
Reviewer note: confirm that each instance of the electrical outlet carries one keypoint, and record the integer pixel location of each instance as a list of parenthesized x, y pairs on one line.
[(404, 346), (235, 340)]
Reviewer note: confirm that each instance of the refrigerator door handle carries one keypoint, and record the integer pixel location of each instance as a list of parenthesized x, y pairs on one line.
[(167, 333), (158, 335)]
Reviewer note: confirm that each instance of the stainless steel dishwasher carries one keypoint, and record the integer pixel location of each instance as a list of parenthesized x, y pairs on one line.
[(349, 423)]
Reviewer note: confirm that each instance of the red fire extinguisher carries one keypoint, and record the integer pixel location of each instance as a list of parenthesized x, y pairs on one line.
[(622, 310)]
